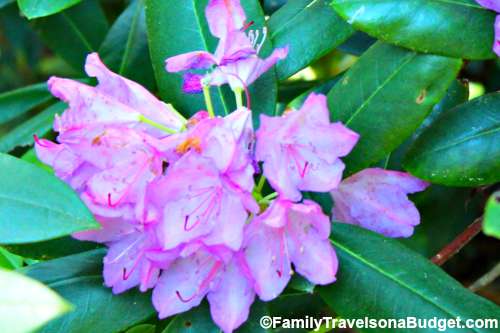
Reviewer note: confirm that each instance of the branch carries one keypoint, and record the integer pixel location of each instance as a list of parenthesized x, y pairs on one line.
[(458, 243)]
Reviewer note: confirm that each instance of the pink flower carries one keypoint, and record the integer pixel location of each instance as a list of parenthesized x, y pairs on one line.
[(213, 271), (114, 101), (110, 168), (495, 6), (236, 59), (300, 150), (376, 199), (289, 233)]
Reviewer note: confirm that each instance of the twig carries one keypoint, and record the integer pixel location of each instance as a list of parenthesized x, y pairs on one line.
[(458, 243), (486, 279)]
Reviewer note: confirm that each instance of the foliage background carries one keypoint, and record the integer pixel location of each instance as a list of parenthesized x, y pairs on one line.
[(324, 48)]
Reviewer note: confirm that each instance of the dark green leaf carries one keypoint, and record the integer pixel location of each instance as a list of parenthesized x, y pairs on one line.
[(78, 279), (491, 224), (4, 3), (310, 28), (75, 32), (51, 249), (38, 8), (26, 304), (176, 27), (385, 96), (17, 102), (40, 125), (125, 48), (357, 44), (322, 88), (382, 278), (30, 156), (36, 206), (194, 321), (455, 28), (460, 148)]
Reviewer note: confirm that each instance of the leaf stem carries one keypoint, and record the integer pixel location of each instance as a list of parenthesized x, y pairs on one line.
[(208, 101), (458, 243), (238, 93)]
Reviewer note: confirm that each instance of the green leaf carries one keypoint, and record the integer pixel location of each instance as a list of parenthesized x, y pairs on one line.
[(40, 125), (26, 304), (385, 96), (4, 3), (382, 278), (39, 8), (491, 224), (75, 32), (176, 27), (78, 279), (144, 328), (17, 102), (51, 249), (461, 147), (357, 44), (30, 156), (125, 48), (455, 28), (310, 28), (36, 206), (196, 320), (9, 260), (322, 88)]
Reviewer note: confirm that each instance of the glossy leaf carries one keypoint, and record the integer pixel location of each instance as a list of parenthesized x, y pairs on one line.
[(75, 32), (125, 48), (382, 278), (78, 279), (385, 96), (26, 304), (196, 320), (9, 260), (39, 8), (491, 224), (51, 249), (40, 125), (310, 28), (357, 44), (144, 328), (460, 148), (36, 206), (456, 28), (176, 27), (17, 102), (4, 3)]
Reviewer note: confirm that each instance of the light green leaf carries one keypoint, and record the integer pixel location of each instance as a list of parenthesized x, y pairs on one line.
[(36, 206), (26, 304), (491, 222)]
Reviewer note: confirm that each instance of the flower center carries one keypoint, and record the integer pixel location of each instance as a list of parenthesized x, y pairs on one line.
[(190, 143)]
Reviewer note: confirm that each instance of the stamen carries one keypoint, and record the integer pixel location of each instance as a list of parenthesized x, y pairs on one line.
[(279, 273), (303, 172), (110, 204), (264, 37)]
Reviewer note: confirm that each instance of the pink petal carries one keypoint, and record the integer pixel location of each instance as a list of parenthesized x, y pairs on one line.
[(490, 4), (376, 199), (190, 60), (266, 255), (231, 299), (310, 249), (224, 16), (181, 286), (496, 46)]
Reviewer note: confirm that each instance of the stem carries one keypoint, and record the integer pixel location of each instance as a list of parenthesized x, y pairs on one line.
[(260, 184), (153, 123), (486, 279), (268, 198), (208, 101), (458, 243), (238, 93)]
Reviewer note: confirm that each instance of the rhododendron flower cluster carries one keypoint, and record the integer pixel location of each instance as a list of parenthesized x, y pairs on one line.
[(180, 210)]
